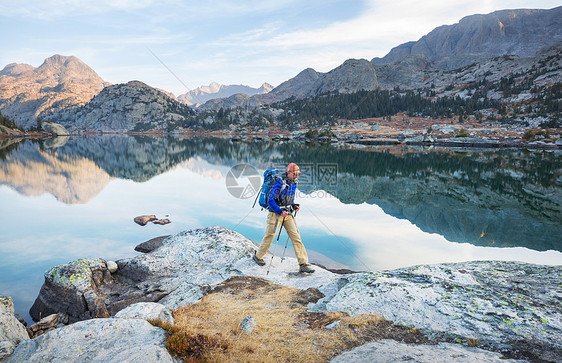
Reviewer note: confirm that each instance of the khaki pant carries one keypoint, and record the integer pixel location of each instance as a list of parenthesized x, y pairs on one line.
[(292, 231)]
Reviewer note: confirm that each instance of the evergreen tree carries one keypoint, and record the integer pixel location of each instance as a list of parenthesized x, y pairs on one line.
[(9, 123)]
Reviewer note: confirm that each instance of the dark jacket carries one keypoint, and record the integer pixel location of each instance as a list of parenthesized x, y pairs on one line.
[(279, 196)]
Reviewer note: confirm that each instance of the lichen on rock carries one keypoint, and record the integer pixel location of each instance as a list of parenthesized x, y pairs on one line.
[(76, 273), (502, 304), (73, 289)]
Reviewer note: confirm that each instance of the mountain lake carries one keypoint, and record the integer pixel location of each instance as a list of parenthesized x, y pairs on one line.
[(368, 208)]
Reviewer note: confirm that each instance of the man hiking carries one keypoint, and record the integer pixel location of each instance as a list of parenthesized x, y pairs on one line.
[(281, 206)]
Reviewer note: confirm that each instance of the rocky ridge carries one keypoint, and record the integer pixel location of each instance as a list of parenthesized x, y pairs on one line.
[(351, 76), (298, 87), (479, 37), (541, 69), (239, 100), (510, 308), (61, 83), (133, 106), (414, 72)]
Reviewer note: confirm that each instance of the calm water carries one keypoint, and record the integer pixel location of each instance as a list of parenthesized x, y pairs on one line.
[(379, 208)]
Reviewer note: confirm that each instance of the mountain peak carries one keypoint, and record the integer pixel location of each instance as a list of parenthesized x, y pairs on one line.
[(351, 76), (137, 84), (59, 59), (215, 90), (65, 68), (61, 82), (15, 69), (308, 72), (520, 32), (265, 88)]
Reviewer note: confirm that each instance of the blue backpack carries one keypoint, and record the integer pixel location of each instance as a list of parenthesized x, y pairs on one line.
[(269, 178)]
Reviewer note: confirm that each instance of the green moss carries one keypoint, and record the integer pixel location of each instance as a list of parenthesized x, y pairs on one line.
[(72, 272)]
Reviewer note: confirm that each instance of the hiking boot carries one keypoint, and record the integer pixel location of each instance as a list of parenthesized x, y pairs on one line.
[(259, 261), (305, 268)]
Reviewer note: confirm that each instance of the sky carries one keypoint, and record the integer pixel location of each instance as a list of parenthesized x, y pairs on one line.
[(179, 45)]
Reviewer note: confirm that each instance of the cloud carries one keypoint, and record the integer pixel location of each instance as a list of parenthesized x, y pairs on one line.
[(384, 21), (381, 21), (252, 37)]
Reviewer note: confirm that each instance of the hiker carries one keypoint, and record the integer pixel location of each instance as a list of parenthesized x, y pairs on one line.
[(281, 206)]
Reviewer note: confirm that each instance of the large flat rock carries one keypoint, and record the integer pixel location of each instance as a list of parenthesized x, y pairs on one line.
[(97, 340), (392, 351), (508, 307), (175, 274)]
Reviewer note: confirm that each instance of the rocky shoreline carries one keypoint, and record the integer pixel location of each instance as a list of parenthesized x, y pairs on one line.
[(448, 142), (480, 310), (399, 130), (466, 143)]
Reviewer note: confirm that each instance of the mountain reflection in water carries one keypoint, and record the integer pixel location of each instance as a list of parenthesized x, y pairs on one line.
[(368, 209), (499, 198)]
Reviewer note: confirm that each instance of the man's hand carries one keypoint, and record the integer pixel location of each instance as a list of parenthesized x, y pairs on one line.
[(296, 207), (284, 214)]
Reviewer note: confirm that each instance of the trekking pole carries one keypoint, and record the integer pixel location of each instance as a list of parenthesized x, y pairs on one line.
[(274, 248), (286, 244), (296, 223), (257, 196), (280, 229)]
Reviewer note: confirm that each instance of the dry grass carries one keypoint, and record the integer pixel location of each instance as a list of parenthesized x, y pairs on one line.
[(472, 342), (285, 330)]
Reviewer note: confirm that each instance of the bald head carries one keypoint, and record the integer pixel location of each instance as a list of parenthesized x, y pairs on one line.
[(293, 171)]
